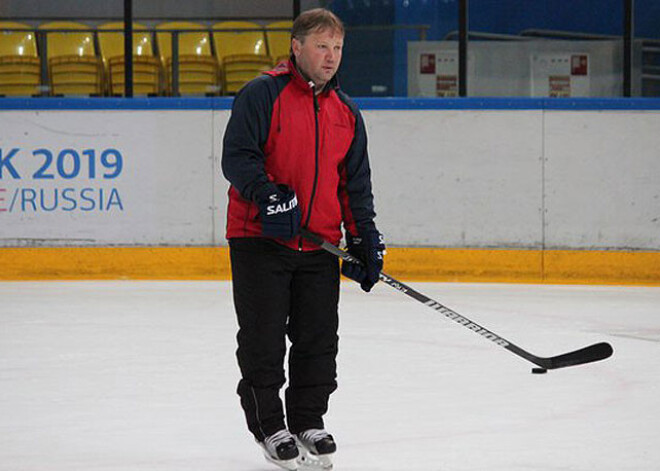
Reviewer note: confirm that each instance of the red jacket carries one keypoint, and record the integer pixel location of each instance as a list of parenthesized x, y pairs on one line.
[(281, 131)]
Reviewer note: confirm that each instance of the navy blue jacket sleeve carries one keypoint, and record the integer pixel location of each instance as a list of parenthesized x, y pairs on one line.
[(246, 135), (358, 174)]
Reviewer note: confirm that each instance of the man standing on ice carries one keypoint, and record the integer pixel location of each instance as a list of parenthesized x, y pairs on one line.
[(295, 153)]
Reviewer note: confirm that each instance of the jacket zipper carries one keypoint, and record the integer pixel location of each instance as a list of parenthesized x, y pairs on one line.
[(316, 163)]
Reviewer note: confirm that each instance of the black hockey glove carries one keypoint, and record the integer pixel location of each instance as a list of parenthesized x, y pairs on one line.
[(279, 210), (370, 248)]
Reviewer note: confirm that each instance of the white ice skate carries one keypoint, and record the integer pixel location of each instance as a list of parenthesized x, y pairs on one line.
[(316, 449), (281, 449)]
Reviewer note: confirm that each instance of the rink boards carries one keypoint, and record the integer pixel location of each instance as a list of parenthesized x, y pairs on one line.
[(467, 190)]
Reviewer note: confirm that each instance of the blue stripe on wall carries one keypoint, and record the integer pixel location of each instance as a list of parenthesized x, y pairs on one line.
[(160, 103), (224, 103)]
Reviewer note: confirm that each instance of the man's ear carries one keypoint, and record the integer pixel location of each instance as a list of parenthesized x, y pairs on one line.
[(296, 47)]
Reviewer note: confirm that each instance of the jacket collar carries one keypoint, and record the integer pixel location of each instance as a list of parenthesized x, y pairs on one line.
[(289, 68)]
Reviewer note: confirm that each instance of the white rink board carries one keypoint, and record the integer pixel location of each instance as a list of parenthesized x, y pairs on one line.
[(445, 178), (517, 178), (457, 178), (602, 179)]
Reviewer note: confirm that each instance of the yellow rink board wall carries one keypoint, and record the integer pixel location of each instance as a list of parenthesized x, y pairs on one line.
[(407, 264)]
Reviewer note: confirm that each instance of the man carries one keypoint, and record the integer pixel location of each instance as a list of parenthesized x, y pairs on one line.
[(295, 152)]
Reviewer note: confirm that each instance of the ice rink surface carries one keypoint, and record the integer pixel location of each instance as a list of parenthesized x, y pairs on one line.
[(141, 376)]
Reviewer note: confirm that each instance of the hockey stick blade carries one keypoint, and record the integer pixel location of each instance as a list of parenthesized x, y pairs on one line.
[(590, 354)]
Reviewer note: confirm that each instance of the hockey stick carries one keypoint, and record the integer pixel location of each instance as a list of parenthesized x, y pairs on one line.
[(595, 352)]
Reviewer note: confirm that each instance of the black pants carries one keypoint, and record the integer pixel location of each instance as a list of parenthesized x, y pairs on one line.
[(280, 292)]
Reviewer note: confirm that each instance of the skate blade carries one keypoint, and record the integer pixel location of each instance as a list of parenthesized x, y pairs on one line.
[(289, 465), (311, 462)]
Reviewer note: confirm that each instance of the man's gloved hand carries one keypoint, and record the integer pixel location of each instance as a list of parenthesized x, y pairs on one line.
[(370, 248), (279, 211)]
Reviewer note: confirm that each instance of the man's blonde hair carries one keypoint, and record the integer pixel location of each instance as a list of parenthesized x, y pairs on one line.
[(317, 19)]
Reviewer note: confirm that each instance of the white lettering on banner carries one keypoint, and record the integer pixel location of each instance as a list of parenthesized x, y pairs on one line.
[(41, 170)]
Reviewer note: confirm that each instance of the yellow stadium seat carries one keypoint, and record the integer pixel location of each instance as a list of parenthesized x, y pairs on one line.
[(239, 69), (228, 43), (242, 54), (198, 68), (73, 66), (279, 42), (146, 67), (20, 70)]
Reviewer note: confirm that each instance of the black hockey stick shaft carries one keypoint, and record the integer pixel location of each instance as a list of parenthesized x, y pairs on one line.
[(592, 353)]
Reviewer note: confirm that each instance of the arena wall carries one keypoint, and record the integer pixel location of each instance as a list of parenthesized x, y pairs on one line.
[(470, 190)]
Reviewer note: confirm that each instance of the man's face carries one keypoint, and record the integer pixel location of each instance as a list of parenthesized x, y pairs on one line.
[(318, 55)]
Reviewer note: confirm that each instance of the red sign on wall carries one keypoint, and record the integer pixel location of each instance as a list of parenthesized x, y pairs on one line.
[(427, 64), (579, 64), (446, 86)]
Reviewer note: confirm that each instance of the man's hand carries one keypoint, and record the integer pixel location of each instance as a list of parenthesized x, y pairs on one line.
[(369, 248), (279, 211)]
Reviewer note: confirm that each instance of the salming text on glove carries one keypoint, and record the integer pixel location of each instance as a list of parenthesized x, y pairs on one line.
[(279, 211)]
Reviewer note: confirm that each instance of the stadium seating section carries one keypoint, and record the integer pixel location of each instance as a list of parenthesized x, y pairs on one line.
[(74, 68), (242, 54), (278, 37), (19, 63), (146, 67), (67, 58)]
